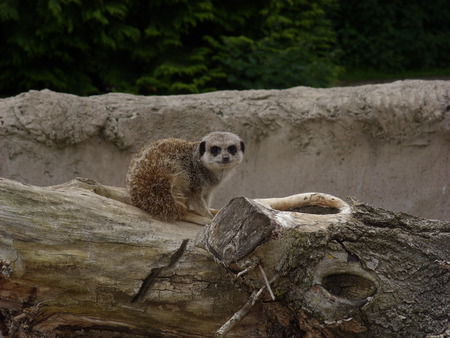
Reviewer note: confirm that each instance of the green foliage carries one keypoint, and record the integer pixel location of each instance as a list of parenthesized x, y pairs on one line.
[(189, 46), (394, 36), (63, 44), (295, 47), (163, 47)]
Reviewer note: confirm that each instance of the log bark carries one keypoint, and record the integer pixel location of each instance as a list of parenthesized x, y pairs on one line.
[(77, 259)]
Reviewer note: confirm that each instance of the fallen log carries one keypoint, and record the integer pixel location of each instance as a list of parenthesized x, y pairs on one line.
[(78, 259)]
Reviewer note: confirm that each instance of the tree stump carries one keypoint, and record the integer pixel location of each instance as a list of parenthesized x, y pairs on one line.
[(336, 270), (76, 259)]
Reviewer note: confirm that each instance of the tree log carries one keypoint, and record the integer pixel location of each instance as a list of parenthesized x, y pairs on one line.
[(77, 259)]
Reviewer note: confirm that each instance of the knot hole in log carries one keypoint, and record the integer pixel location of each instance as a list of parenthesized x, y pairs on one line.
[(345, 285)]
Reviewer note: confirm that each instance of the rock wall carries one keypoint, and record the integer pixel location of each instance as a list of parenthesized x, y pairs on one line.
[(387, 145)]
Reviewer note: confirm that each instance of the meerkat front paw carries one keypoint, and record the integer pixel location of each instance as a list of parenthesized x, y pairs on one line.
[(194, 218), (214, 212)]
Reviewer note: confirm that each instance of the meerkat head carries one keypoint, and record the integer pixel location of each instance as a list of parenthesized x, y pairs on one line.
[(221, 150)]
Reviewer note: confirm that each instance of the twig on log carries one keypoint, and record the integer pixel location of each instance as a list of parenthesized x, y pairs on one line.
[(250, 268), (242, 312), (266, 281)]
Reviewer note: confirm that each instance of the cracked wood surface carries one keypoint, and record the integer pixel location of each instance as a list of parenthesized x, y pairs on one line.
[(77, 259), (73, 258), (367, 272)]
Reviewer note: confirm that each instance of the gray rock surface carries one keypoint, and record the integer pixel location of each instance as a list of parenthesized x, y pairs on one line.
[(388, 145)]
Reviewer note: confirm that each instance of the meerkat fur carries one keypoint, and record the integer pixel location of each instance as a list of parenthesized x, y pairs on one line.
[(173, 179)]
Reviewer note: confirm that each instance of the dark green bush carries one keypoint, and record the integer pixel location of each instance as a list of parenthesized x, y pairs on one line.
[(81, 47), (163, 47), (293, 46), (394, 36), (189, 46)]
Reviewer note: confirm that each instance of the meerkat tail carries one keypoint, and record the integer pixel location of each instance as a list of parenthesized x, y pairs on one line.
[(160, 198)]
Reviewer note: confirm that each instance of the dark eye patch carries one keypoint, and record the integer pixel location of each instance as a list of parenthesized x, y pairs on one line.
[(215, 150), (232, 150)]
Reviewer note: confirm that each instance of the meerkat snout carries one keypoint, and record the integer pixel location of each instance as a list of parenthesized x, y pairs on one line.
[(221, 150)]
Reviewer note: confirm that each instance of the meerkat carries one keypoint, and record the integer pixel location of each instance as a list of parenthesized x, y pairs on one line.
[(173, 179)]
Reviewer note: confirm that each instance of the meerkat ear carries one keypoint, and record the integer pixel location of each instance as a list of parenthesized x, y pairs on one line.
[(202, 148), (242, 146)]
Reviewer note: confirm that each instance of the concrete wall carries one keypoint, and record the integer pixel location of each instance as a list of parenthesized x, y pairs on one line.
[(387, 145)]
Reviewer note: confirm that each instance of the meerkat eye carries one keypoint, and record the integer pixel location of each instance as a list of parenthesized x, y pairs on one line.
[(232, 150), (215, 150)]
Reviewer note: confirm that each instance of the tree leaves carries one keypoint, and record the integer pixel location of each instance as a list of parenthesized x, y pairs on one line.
[(181, 46)]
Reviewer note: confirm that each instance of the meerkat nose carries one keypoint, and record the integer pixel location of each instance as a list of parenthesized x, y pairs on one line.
[(225, 157)]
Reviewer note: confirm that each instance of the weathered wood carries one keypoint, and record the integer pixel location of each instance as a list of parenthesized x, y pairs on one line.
[(361, 272), (75, 259)]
